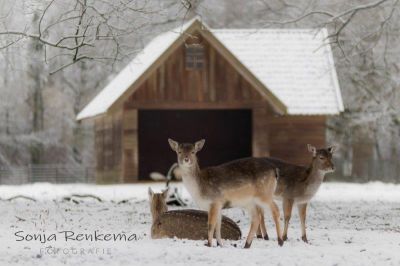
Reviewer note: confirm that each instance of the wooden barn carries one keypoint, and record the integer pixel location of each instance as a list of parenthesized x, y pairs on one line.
[(248, 92)]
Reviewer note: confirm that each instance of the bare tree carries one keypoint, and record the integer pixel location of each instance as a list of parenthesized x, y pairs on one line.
[(340, 20), (72, 31)]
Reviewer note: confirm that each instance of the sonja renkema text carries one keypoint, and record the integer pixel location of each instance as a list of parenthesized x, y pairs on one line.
[(95, 236)]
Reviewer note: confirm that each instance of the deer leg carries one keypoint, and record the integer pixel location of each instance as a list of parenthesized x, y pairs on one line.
[(275, 214), (287, 212), (302, 213), (212, 222), (255, 220), (218, 228), (259, 233), (262, 230)]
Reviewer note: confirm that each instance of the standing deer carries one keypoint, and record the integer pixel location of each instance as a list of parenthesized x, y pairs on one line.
[(248, 183), (186, 224), (298, 185)]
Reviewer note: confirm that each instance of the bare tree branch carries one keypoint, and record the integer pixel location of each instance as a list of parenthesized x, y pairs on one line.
[(88, 29), (341, 20)]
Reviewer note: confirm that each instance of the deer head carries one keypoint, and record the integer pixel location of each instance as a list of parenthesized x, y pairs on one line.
[(322, 158), (186, 152), (158, 203)]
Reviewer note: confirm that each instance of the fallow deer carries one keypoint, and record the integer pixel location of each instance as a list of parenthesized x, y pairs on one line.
[(184, 224), (248, 183), (298, 185)]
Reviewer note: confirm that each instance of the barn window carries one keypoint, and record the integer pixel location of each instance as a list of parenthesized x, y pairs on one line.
[(194, 57)]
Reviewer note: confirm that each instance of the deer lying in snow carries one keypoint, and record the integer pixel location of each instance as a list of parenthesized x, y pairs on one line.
[(185, 224), (247, 183), (298, 185)]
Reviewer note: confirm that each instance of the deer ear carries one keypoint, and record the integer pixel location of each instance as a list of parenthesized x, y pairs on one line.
[(165, 193), (174, 145), (332, 149), (151, 193), (312, 149), (199, 145)]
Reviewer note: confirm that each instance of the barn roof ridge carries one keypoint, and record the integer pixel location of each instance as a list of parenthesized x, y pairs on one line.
[(300, 79)]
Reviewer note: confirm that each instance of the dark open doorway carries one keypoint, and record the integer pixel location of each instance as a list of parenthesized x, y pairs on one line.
[(227, 133)]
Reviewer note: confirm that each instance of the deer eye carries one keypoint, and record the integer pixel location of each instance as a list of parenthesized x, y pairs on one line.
[(321, 158), (192, 152), (179, 152)]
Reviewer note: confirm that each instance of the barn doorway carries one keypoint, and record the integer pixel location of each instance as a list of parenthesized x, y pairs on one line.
[(227, 133)]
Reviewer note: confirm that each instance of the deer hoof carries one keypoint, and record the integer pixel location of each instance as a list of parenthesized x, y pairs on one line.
[(247, 245), (284, 238), (266, 237), (280, 242), (259, 236), (304, 238)]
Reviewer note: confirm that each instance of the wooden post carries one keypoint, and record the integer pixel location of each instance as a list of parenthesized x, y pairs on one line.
[(130, 155), (261, 147)]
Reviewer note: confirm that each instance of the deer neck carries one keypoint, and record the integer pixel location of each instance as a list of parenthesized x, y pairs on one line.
[(190, 172), (155, 215), (158, 210), (192, 181), (315, 174)]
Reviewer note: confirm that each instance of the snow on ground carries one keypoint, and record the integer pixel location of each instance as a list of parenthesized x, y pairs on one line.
[(348, 224)]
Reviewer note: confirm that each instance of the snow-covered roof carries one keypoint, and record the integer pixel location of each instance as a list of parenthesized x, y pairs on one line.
[(295, 65)]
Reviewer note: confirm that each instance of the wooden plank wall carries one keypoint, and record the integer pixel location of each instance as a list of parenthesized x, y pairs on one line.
[(108, 143), (289, 136), (217, 85)]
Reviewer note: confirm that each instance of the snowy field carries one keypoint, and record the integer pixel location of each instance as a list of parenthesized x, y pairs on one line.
[(348, 224)]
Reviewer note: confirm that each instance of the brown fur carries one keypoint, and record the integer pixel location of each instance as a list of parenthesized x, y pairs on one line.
[(184, 224), (158, 203), (245, 182), (298, 184)]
